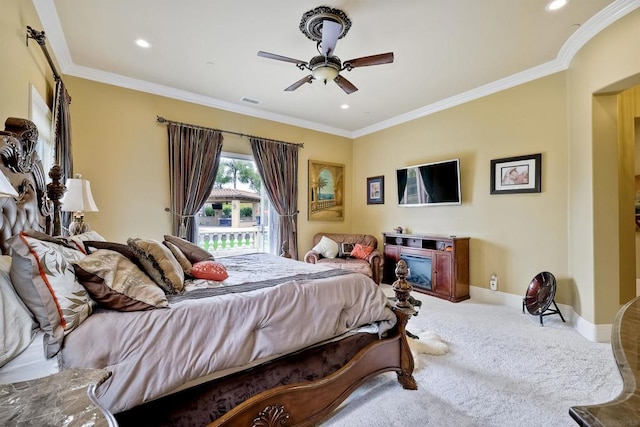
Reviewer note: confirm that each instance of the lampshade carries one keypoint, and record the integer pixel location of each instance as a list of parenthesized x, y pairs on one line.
[(6, 189), (78, 197)]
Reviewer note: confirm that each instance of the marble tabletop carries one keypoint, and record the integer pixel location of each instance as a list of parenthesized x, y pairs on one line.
[(63, 399), (624, 410)]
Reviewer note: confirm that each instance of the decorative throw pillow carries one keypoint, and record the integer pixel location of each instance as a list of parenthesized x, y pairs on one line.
[(194, 253), (159, 263), (42, 275), (180, 256), (79, 239), (210, 270), (326, 247), (116, 283), (361, 251)]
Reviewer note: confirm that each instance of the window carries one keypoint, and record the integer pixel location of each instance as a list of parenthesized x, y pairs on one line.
[(235, 217)]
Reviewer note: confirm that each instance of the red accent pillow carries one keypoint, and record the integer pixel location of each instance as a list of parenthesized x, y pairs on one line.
[(361, 251), (210, 270)]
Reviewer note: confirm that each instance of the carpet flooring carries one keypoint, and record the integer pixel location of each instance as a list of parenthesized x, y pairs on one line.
[(498, 367)]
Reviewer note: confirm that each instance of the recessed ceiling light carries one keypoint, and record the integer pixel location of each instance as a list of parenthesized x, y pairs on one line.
[(344, 106), (143, 43), (556, 4)]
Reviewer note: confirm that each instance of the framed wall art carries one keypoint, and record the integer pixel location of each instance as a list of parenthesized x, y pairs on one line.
[(520, 174), (326, 191), (375, 190)]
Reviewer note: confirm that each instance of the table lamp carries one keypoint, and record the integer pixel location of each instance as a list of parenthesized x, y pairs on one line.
[(78, 199)]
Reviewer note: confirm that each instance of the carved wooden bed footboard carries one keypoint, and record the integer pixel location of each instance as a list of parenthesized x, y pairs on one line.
[(299, 389), (307, 404)]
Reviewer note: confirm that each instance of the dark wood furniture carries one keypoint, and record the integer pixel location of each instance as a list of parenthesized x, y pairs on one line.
[(624, 410), (439, 265)]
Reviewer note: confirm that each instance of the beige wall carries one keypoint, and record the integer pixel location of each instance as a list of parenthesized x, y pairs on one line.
[(22, 65), (514, 236), (594, 230), (120, 148)]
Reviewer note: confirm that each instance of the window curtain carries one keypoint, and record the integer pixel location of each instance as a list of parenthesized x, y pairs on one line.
[(277, 164), (62, 130), (194, 156), (62, 138)]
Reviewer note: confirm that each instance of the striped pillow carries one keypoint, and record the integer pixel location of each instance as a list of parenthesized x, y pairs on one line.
[(116, 283), (159, 263)]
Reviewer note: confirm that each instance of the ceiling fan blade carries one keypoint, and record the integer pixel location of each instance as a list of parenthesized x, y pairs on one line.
[(383, 58), (330, 33), (345, 84), (280, 58), (296, 85)]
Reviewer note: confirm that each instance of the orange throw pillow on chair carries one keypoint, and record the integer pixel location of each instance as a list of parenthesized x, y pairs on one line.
[(209, 270), (361, 251)]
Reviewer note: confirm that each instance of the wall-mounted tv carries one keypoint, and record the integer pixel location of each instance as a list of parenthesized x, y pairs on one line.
[(430, 184)]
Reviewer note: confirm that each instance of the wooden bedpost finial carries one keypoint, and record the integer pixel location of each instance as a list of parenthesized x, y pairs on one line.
[(402, 287), (55, 191)]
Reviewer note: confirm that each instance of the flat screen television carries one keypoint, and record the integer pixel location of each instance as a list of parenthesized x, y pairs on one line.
[(430, 184)]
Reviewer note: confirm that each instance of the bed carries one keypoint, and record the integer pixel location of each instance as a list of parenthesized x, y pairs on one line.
[(247, 349)]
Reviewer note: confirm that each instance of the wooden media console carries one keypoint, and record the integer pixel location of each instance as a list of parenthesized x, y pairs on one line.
[(439, 265)]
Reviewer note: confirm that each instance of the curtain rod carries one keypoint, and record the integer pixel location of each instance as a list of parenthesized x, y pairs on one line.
[(163, 120), (40, 38)]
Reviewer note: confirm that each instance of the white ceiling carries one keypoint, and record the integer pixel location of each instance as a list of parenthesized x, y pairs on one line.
[(205, 51)]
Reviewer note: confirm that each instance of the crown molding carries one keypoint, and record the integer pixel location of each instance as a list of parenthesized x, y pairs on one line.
[(462, 98), (593, 26), (49, 18), (578, 39), (194, 98)]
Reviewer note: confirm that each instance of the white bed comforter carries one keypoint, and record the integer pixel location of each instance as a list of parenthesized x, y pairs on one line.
[(151, 353)]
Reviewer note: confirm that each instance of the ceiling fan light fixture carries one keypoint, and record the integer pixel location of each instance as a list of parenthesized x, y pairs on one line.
[(324, 73)]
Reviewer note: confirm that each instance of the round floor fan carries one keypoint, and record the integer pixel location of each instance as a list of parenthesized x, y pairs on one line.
[(540, 295)]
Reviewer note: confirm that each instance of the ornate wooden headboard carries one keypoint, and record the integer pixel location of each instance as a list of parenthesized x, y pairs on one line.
[(21, 164)]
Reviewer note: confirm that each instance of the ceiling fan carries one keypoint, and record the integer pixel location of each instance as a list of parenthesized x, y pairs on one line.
[(326, 25)]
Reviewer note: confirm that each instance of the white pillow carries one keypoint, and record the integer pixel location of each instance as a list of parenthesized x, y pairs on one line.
[(326, 247), (18, 327)]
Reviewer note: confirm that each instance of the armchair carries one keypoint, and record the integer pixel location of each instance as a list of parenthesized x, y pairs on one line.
[(371, 266)]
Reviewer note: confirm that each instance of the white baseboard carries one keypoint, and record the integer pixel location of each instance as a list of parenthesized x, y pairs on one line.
[(592, 332)]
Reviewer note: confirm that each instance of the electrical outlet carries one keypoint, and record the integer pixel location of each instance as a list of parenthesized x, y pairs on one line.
[(493, 284)]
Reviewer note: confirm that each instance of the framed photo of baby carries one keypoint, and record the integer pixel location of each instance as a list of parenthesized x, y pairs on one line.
[(520, 174)]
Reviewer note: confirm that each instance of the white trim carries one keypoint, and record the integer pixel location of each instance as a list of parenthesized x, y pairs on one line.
[(470, 95), (49, 18), (194, 98), (592, 332), (593, 26)]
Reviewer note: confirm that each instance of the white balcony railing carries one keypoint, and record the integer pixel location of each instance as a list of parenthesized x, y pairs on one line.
[(225, 241)]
